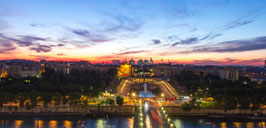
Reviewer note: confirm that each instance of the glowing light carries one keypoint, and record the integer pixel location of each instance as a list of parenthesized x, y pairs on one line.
[(146, 105), (18, 123), (67, 124), (53, 124)]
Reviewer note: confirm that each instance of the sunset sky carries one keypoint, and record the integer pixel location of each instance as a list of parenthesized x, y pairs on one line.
[(215, 32)]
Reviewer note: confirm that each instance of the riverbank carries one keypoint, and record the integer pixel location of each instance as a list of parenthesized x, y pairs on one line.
[(218, 113), (115, 111), (91, 111)]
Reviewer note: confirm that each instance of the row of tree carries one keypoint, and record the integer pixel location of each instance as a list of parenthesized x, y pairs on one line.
[(53, 86), (227, 94), (33, 97)]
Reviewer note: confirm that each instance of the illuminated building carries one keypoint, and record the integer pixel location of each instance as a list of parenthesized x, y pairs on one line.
[(3, 73), (143, 71), (14, 71), (125, 70), (63, 68), (29, 73), (229, 74)]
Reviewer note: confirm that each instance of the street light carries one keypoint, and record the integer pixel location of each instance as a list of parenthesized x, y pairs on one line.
[(134, 94), (162, 95)]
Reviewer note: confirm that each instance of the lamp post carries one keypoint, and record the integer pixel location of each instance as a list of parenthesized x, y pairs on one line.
[(162, 95), (134, 94)]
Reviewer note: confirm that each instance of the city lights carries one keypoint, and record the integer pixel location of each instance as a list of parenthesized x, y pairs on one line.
[(141, 63)]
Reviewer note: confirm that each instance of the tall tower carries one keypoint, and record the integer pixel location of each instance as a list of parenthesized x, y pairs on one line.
[(265, 64), (151, 61)]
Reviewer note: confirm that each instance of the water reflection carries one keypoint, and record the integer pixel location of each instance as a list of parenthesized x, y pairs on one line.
[(38, 123), (65, 122), (184, 122), (122, 122), (18, 123), (53, 124)]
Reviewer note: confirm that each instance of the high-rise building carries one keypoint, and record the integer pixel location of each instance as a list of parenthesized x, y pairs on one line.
[(146, 62), (118, 62), (132, 62), (140, 62), (265, 64), (151, 61), (113, 62)]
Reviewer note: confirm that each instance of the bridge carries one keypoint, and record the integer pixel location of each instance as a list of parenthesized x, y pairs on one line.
[(149, 112)]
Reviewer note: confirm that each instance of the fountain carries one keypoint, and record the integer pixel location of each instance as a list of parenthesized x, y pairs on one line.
[(145, 93)]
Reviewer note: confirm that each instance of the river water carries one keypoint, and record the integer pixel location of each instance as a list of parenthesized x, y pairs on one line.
[(121, 122)]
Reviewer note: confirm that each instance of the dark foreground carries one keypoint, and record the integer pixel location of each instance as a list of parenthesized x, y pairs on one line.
[(121, 122)]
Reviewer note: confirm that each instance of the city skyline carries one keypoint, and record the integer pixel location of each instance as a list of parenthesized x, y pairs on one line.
[(186, 32)]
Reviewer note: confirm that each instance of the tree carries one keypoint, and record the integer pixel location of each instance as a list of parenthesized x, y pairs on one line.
[(33, 95), (46, 98), (185, 106), (21, 97), (74, 98), (103, 84), (244, 103), (218, 100), (57, 98), (6, 97), (119, 101), (255, 101), (229, 103), (111, 101), (65, 99)]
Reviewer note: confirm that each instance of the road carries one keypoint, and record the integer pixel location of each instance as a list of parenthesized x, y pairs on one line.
[(167, 89), (124, 88), (153, 117)]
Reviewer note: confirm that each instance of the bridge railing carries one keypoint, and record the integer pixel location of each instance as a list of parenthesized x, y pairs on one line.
[(120, 86), (168, 121), (170, 88), (139, 117)]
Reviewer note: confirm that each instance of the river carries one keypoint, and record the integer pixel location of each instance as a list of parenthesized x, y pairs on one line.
[(121, 122)]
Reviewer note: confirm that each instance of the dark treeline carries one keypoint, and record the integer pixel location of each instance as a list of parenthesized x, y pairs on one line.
[(53, 86), (227, 94)]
